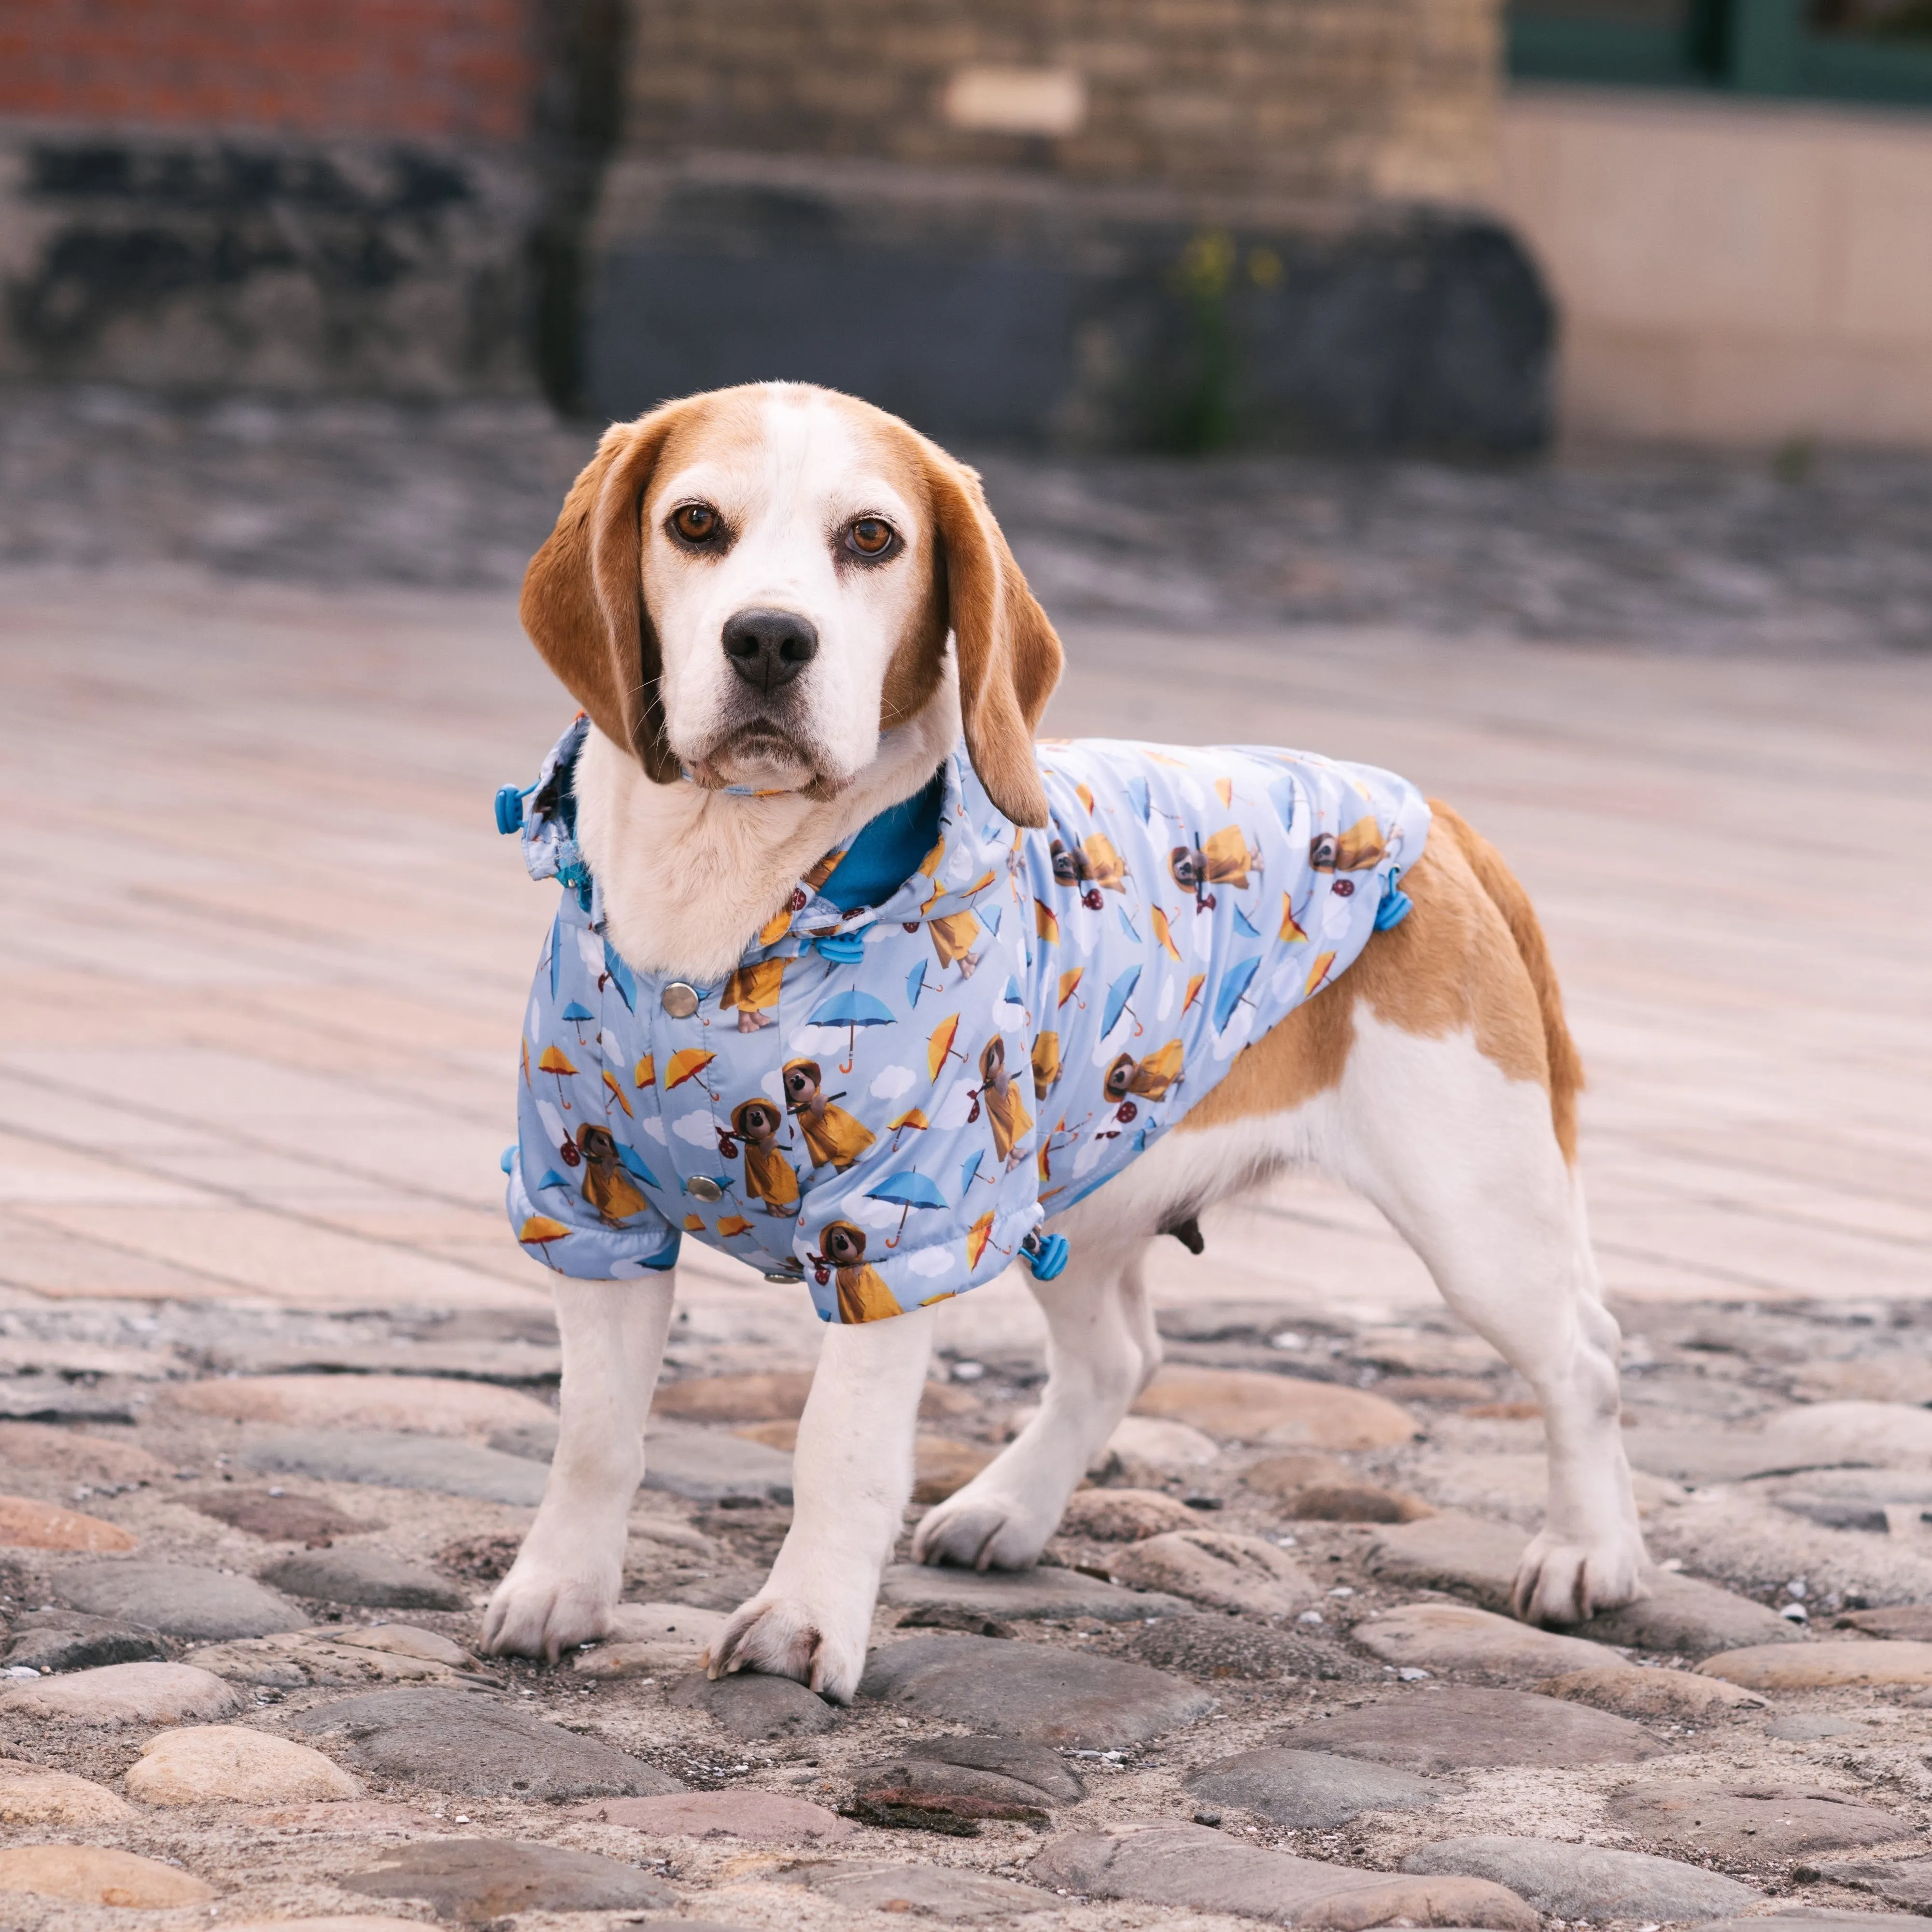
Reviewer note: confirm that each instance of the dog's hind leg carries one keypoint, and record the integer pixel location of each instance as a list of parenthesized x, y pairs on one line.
[(1101, 1350), (1463, 1160), (562, 1588), (852, 1471)]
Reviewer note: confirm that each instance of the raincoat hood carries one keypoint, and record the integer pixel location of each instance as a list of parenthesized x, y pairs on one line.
[(886, 1103)]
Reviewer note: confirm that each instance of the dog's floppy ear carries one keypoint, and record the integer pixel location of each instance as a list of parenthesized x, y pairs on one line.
[(583, 603), (1010, 659)]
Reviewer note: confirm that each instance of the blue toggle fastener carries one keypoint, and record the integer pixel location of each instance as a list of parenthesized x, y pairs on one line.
[(507, 1159), (842, 949), (1396, 906), (1046, 1255), (510, 808)]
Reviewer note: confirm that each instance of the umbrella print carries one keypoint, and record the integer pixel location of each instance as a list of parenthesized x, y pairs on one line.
[(906, 1192), (989, 917), (1118, 995), (969, 1171), (645, 1073), (1164, 933), (1138, 797), (617, 1094), (1281, 794), (579, 1015), (1086, 798), (526, 1062), (1196, 982), (1069, 984), (732, 1225), (912, 1121), (915, 983), (1292, 934), (1045, 924), (1245, 925), (939, 1048), (1224, 789), (551, 1179), (1127, 926), (1012, 1010), (618, 975), (977, 1236), (555, 1061), (1318, 972), (852, 1009), (687, 1064), (1233, 983), (628, 1158), (538, 1231)]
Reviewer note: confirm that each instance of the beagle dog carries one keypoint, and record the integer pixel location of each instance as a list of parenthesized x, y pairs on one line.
[(785, 612)]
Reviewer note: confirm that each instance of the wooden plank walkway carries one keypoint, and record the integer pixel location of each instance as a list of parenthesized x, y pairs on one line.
[(262, 955)]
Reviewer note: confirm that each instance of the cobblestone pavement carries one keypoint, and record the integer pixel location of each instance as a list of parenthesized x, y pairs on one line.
[(277, 1389), (1680, 553)]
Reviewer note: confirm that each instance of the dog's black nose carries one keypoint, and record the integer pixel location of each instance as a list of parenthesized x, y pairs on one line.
[(770, 648)]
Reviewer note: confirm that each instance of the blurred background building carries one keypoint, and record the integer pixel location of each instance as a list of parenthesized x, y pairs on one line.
[(1369, 225)]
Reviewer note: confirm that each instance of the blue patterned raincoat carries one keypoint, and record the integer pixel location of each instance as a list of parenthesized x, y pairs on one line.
[(886, 1103)]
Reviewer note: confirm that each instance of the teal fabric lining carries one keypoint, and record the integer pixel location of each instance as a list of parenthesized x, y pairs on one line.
[(886, 851)]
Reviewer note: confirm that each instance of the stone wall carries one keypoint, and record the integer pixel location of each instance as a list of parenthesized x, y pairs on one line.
[(1377, 97), (272, 195), (1179, 224), (421, 70)]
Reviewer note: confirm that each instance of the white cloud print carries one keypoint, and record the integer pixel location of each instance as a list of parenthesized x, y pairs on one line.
[(892, 1082), (697, 1129), (933, 1262)]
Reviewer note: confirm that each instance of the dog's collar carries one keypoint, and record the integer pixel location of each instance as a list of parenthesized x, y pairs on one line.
[(736, 790)]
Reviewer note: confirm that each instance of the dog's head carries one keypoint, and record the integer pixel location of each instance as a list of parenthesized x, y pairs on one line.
[(845, 1245), (751, 586), (803, 1079), (756, 1120)]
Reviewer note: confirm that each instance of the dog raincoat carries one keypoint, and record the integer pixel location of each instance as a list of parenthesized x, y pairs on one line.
[(885, 1102)]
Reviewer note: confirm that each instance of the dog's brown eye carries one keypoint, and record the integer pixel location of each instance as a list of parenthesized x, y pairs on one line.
[(696, 522), (870, 536)]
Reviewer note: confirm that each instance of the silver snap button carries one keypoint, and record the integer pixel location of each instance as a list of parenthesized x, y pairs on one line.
[(679, 1001), (703, 1187), (785, 1277)]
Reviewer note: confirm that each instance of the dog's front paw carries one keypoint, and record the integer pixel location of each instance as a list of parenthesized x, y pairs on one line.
[(775, 1635), (986, 1532), (1558, 1582), (539, 1610)]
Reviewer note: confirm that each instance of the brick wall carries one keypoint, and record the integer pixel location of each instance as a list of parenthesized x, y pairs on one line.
[(451, 69), (1390, 98)]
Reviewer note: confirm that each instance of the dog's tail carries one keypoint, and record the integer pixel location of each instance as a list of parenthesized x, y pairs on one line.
[(1506, 893)]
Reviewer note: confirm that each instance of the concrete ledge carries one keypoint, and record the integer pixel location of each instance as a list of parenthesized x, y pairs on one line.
[(1023, 310)]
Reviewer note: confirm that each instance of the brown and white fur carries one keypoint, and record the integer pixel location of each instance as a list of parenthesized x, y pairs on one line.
[(1437, 1077)]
